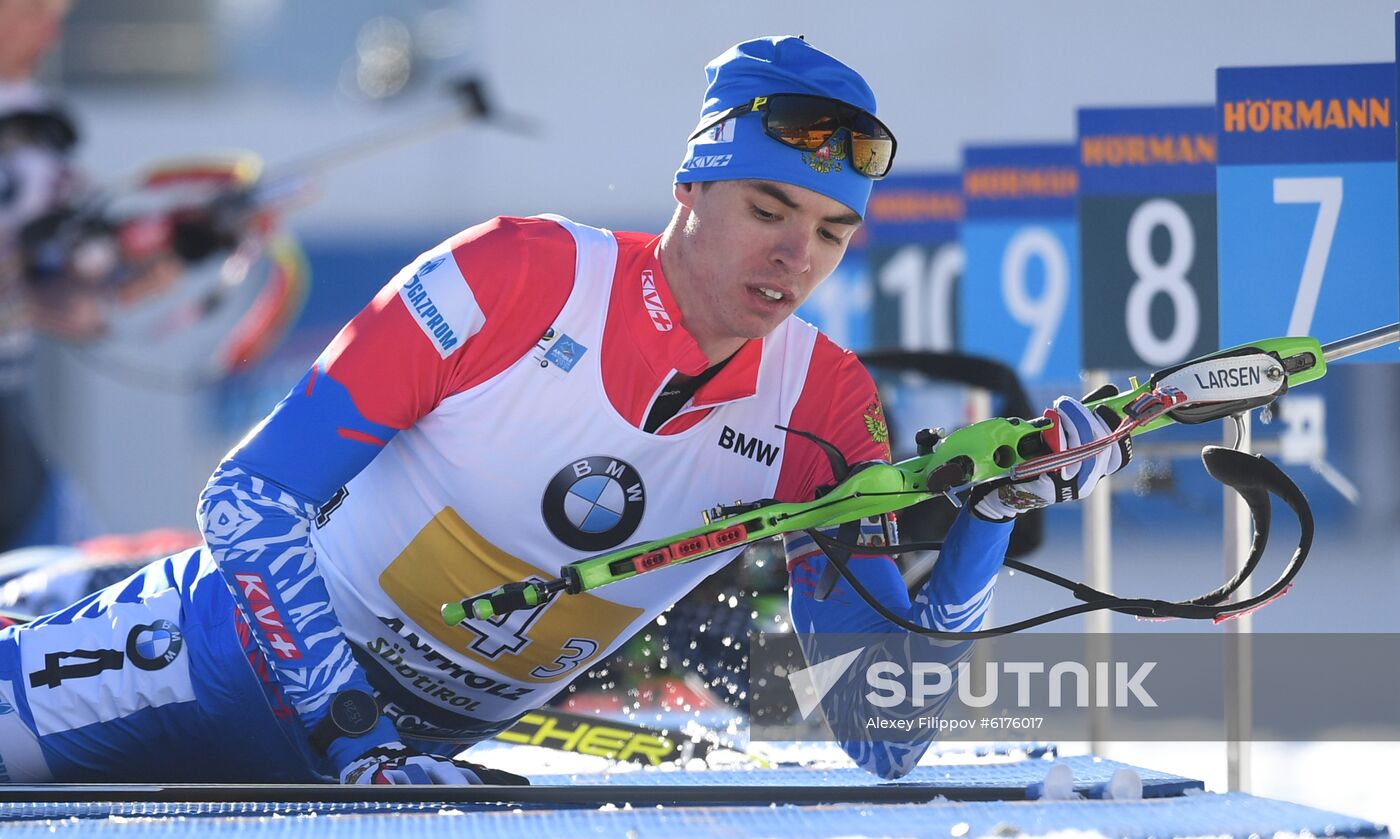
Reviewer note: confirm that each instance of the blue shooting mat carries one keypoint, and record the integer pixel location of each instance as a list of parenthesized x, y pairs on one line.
[(1088, 771), (1233, 814)]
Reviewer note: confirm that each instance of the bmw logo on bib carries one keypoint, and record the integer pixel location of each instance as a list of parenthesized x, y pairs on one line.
[(595, 503), (154, 645)]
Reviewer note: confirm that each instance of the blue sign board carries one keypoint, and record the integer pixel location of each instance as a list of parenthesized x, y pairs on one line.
[(1307, 202), (1147, 235), (915, 260), (1019, 299)]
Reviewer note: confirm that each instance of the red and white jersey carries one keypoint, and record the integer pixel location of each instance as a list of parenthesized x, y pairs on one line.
[(518, 361)]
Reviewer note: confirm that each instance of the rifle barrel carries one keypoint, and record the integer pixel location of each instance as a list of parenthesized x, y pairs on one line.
[(1361, 343)]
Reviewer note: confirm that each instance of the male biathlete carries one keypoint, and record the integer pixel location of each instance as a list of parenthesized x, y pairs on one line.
[(530, 392)]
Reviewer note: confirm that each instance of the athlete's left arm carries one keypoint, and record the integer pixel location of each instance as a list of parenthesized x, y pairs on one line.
[(844, 408)]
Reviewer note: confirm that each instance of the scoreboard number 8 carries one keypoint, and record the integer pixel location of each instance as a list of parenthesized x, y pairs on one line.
[(1169, 277)]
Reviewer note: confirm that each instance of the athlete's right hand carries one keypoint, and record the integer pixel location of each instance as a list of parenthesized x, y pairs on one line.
[(395, 763)]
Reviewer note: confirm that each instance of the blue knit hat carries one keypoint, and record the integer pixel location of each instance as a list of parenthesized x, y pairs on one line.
[(738, 148)]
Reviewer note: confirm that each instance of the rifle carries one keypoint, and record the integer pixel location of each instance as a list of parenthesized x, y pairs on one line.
[(1219, 385)]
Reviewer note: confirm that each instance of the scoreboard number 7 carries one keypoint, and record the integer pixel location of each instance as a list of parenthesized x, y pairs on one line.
[(1326, 193)]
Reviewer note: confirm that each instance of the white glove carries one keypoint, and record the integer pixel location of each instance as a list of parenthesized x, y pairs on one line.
[(395, 763), (1075, 424)]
